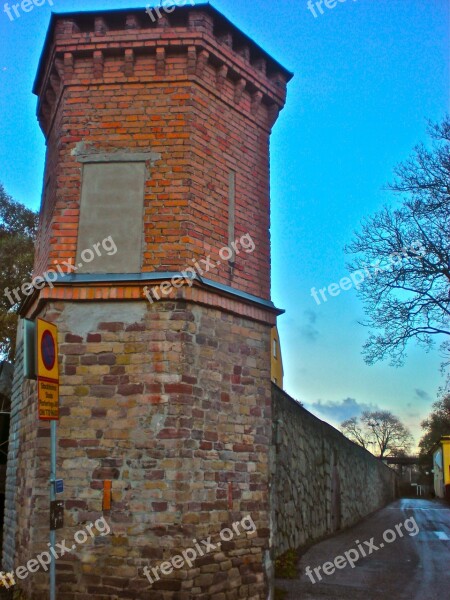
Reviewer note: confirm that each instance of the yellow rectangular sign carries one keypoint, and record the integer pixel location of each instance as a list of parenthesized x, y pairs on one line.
[(48, 400), (47, 350)]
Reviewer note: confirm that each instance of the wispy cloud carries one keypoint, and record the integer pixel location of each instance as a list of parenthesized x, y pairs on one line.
[(338, 411), (308, 330)]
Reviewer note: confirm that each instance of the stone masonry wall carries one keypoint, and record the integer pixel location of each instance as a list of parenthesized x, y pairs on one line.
[(321, 481), (22, 395), (171, 402)]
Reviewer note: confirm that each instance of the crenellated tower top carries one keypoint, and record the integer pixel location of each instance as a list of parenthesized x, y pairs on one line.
[(199, 35)]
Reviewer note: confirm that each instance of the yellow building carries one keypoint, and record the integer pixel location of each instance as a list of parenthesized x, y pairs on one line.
[(275, 359), (441, 467)]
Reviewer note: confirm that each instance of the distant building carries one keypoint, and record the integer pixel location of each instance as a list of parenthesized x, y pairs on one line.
[(276, 362), (441, 467)]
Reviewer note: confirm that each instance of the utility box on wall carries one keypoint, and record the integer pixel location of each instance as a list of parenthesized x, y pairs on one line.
[(29, 349)]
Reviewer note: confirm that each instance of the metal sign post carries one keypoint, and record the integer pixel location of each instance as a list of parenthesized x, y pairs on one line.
[(53, 426), (48, 410)]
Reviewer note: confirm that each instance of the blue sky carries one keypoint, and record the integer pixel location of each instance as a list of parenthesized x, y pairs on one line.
[(367, 77)]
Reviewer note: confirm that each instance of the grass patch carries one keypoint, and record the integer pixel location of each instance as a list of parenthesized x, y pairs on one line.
[(286, 565)]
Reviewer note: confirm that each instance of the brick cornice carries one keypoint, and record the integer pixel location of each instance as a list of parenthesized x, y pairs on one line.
[(241, 62), (134, 291)]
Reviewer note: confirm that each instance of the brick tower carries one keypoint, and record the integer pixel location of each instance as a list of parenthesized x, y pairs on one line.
[(155, 214)]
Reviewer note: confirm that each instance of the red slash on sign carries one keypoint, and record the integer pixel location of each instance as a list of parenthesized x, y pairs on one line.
[(48, 350)]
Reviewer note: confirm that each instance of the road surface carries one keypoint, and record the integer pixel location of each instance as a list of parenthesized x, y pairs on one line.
[(407, 548)]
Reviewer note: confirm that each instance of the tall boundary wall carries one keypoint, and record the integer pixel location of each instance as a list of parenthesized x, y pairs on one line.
[(321, 481), (19, 388)]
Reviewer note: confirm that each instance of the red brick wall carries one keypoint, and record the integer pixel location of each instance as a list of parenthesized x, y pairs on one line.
[(228, 139), (175, 102)]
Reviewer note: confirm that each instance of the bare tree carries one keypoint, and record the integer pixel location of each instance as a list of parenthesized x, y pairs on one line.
[(404, 255), (381, 432), (353, 430)]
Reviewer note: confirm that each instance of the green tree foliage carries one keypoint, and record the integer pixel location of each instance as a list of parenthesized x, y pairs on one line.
[(380, 432), (407, 296), (18, 225), (436, 424)]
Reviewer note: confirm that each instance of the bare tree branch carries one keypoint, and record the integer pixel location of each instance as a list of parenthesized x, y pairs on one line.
[(405, 254)]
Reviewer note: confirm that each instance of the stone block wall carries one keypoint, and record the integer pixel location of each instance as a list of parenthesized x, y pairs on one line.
[(171, 402), (321, 481), (22, 391)]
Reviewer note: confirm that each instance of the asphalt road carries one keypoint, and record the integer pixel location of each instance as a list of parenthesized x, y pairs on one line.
[(414, 566)]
